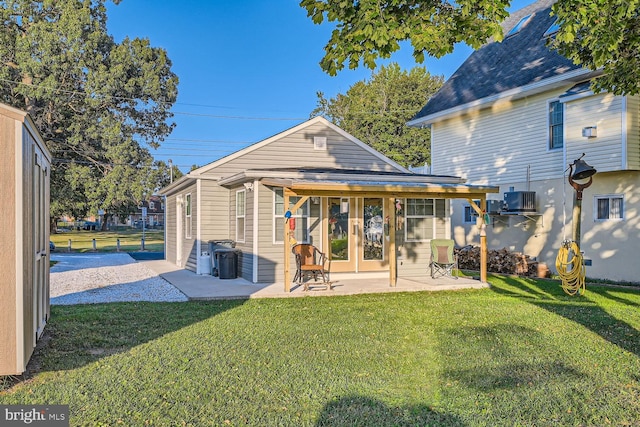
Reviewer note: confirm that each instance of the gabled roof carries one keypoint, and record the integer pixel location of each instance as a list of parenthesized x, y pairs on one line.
[(198, 173), (289, 131), (519, 65)]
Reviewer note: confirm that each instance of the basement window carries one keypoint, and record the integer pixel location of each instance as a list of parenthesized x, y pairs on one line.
[(608, 207)]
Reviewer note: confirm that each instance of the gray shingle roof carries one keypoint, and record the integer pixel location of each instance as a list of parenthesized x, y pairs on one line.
[(497, 67)]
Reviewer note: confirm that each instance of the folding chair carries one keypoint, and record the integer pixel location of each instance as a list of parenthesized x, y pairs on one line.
[(443, 260)]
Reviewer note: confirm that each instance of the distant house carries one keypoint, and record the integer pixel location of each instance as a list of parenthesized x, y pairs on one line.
[(515, 115), (155, 213), (25, 171), (365, 211)]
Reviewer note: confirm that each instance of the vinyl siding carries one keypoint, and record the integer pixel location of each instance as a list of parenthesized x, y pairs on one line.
[(296, 150), (497, 145), (605, 152), (215, 208), (633, 137), (170, 228)]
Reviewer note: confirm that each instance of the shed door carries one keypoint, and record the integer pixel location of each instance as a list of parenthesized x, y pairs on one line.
[(40, 241)]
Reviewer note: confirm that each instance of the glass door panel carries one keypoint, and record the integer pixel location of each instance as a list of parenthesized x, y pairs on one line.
[(373, 238), (373, 230), (340, 238)]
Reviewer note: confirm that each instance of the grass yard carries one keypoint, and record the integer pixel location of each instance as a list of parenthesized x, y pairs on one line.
[(106, 241), (521, 353)]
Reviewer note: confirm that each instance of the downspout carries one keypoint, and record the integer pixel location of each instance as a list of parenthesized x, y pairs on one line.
[(198, 223), (624, 158), (256, 217)]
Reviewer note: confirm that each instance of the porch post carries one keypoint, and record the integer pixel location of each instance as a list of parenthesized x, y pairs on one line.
[(287, 246), (482, 225), (392, 243)]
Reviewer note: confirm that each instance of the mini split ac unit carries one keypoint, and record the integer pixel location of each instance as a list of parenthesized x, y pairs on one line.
[(519, 201), (494, 206)]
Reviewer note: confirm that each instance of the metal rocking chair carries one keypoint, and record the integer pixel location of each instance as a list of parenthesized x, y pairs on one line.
[(443, 260), (310, 261)]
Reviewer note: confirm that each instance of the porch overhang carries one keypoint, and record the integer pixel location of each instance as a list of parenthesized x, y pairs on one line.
[(389, 189)]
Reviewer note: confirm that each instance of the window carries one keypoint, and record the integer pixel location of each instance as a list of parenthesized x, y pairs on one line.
[(240, 215), (553, 29), (469, 214), (608, 207), (556, 119), (519, 26), (320, 143), (419, 219), (300, 219), (187, 211)]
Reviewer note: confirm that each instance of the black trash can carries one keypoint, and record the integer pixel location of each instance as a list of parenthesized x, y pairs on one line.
[(214, 245), (227, 260)]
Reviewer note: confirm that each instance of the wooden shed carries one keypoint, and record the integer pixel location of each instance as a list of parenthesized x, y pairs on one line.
[(25, 169)]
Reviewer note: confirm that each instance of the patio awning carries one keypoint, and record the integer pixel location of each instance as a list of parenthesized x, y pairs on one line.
[(326, 182)]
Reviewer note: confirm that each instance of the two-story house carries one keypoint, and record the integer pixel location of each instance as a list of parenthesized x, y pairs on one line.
[(516, 114)]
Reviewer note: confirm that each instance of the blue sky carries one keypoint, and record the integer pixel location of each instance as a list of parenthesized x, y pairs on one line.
[(248, 69)]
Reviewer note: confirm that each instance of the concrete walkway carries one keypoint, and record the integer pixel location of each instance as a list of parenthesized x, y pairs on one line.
[(204, 287)]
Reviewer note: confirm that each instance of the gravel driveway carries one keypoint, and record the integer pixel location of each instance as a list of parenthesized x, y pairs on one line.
[(97, 278)]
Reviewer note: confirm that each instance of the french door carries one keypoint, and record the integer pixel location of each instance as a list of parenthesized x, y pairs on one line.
[(356, 235)]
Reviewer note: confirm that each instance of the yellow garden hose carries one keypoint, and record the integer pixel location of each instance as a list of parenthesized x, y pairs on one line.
[(570, 267)]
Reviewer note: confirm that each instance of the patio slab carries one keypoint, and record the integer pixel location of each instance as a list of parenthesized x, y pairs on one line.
[(205, 287)]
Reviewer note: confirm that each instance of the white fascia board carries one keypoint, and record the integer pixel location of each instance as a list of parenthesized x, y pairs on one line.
[(517, 93)]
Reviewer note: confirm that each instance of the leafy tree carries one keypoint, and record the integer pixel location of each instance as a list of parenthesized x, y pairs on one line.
[(602, 35), (596, 34), (375, 111), (370, 29), (100, 105)]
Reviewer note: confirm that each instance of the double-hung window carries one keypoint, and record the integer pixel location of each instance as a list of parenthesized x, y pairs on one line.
[(420, 216), (556, 125), (241, 198), (608, 207), (298, 223)]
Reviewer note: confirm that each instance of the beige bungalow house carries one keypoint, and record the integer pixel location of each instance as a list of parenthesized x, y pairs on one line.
[(516, 114), (365, 211)]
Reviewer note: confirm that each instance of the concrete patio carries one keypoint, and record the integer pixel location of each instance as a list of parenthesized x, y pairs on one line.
[(205, 287)]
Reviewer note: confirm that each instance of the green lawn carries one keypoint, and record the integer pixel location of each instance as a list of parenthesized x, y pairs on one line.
[(106, 241), (519, 354)]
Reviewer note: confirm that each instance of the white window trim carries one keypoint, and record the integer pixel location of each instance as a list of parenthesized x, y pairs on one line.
[(473, 213), (277, 240), (407, 216), (243, 216), (188, 223), (548, 129), (608, 196)]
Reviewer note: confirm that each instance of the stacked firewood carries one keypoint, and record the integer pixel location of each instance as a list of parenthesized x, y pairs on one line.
[(501, 261)]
